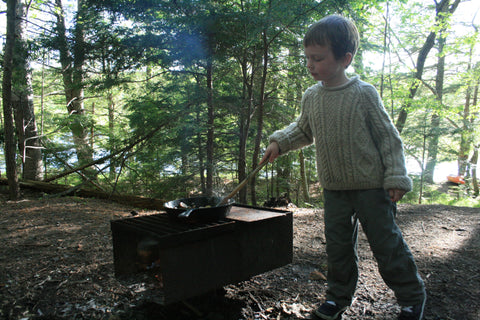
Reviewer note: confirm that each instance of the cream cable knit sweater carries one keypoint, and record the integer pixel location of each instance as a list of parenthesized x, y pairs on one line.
[(357, 145)]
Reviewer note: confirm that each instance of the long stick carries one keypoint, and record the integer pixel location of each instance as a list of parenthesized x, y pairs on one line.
[(242, 184)]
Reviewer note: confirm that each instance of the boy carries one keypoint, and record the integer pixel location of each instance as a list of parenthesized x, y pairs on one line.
[(361, 166)]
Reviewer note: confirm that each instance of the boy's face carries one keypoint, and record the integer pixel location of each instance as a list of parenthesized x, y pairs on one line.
[(324, 67)]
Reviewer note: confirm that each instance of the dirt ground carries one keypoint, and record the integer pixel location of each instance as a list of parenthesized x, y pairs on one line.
[(56, 262)]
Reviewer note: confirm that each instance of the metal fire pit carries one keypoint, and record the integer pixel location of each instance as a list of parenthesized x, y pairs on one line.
[(176, 260)]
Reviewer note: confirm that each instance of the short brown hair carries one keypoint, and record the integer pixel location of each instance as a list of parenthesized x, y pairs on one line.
[(335, 31)]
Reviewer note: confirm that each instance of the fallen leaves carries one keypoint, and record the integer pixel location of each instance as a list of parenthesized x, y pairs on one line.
[(317, 276)]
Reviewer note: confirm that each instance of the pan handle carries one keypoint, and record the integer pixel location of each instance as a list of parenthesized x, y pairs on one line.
[(242, 184), (185, 214)]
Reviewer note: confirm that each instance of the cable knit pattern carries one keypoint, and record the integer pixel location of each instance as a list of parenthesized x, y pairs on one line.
[(357, 145)]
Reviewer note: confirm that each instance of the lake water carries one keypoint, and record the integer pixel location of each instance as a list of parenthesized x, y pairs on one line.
[(442, 170)]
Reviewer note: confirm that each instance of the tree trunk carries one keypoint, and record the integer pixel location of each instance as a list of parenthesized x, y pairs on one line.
[(245, 120), (261, 103), (59, 190), (422, 57), (14, 189), (210, 128), (73, 78), (432, 148), (434, 134), (201, 161), (385, 48), (467, 133), (111, 132), (473, 164), (303, 177), (22, 94)]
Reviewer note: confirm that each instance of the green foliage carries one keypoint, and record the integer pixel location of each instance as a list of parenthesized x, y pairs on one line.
[(146, 70)]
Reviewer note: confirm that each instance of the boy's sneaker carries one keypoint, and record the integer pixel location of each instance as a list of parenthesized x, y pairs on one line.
[(412, 312), (329, 310)]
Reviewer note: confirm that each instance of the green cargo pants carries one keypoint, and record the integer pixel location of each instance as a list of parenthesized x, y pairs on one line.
[(375, 211)]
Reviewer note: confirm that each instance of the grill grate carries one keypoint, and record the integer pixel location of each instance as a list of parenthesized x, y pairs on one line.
[(178, 260), (163, 225)]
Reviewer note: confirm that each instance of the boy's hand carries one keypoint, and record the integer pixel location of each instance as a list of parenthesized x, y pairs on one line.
[(271, 153), (396, 194)]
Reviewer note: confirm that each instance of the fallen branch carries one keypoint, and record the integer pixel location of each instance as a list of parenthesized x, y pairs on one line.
[(131, 200), (101, 160)]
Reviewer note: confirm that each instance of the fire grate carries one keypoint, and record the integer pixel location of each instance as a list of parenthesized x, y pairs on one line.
[(180, 260)]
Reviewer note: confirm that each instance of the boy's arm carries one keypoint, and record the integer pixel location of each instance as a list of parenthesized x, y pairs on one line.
[(390, 147), (292, 137), (298, 134)]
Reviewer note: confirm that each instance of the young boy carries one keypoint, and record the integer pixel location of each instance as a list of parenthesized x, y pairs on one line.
[(361, 166)]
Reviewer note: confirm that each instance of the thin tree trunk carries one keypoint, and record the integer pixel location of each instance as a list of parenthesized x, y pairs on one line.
[(14, 189), (261, 104), (210, 128), (245, 120), (244, 125), (111, 132), (473, 164), (92, 127), (435, 121), (242, 153), (201, 161), (466, 137), (432, 148), (385, 48), (303, 177)]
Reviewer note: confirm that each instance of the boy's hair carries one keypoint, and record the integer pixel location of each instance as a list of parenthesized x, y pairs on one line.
[(335, 31)]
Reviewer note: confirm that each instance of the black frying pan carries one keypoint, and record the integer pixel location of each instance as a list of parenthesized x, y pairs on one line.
[(198, 209), (207, 208)]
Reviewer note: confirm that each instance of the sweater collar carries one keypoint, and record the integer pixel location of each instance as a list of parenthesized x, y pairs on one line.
[(350, 82)]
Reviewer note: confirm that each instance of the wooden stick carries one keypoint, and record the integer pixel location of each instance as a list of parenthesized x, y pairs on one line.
[(242, 184)]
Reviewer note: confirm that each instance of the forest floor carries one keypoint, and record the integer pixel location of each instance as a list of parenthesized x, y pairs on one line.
[(56, 262)]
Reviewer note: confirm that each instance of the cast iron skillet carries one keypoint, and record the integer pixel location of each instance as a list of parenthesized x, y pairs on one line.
[(199, 209), (203, 209)]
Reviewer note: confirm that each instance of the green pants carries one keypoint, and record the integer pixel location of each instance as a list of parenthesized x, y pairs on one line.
[(375, 211)]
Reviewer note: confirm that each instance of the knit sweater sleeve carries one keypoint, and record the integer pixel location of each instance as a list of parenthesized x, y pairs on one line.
[(298, 134), (388, 142)]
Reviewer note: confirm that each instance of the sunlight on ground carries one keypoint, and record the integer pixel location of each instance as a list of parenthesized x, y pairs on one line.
[(445, 242), (439, 232)]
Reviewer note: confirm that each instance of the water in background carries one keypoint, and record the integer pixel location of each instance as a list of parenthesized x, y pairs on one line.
[(442, 170)]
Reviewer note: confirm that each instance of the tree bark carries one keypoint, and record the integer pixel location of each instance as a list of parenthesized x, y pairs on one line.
[(303, 177), (245, 117), (12, 177), (28, 141), (111, 132), (210, 128), (73, 78), (434, 134), (473, 164), (261, 104), (467, 133)]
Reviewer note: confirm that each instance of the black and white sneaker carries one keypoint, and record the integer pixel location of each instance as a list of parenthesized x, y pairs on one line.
[(413, 312), (329, 310)]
